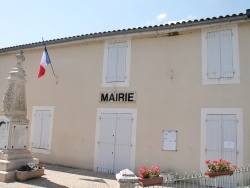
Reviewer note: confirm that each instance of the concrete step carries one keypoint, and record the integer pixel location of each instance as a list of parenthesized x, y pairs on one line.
[(15, 154), (7, 176), (8, 165)]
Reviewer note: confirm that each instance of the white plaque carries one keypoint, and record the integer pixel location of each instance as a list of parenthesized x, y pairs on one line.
[(228, 144), (19, 137), (4, 133)]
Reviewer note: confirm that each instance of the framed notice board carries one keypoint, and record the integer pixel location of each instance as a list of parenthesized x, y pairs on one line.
[(169, 140)]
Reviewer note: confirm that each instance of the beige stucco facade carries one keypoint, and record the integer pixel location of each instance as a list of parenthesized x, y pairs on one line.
[(166, 74)]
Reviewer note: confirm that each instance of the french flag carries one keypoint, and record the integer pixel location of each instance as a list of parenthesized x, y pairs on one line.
[(44, 62)]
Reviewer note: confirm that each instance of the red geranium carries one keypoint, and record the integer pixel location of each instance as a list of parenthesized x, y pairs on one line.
[(154, 171), (219, 166)]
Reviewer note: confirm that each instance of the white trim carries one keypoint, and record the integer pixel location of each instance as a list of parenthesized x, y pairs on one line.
[(105, 62), (239, 115), (133, 139), (235, 44), (47, 108)]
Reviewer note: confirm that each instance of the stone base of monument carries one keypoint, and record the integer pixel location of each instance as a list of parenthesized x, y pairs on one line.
[(11, 160)]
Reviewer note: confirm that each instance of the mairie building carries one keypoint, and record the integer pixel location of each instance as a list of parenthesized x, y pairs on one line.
[(170, 95)]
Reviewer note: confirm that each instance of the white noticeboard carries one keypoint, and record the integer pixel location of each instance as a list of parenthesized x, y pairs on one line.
[(169, 140)]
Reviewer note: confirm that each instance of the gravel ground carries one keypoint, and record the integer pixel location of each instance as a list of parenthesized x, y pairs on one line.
[(63, 177)]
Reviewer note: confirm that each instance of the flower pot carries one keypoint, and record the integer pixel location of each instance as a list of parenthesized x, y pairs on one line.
[(144, 182), (215, 174), (25, 175)]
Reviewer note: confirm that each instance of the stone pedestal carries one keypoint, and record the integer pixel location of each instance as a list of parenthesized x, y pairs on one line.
[(11, 160), (126, 179), (14, 125)]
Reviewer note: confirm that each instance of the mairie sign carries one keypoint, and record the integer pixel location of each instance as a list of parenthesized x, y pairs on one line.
[(118, 97)]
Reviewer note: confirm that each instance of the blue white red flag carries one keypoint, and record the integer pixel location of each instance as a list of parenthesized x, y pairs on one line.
[(44, 62)]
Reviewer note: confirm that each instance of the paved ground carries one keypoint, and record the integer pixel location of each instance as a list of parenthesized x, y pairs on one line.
[(63, 177)]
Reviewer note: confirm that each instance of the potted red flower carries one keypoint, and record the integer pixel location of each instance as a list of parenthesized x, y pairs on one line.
[(219, 168), (149, 177)]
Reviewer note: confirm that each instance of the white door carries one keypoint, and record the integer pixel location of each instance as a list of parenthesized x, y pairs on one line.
[(42, 119), (114, 145), (221, 142)]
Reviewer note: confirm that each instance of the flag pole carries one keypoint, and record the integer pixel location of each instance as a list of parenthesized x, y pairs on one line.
[(50, 62)]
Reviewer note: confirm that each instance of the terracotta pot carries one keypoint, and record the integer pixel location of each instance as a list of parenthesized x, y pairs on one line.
[(144, 182), (215, 174)]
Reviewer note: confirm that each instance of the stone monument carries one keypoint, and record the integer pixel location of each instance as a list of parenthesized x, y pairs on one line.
[(14, 125)]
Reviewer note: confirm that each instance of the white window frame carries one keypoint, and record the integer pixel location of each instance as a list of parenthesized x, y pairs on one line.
[(239, 115), (235, 45), (38, 108), (105, 64), (133, 138)]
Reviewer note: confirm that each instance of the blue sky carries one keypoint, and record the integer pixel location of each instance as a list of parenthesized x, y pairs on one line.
[(27, 21)]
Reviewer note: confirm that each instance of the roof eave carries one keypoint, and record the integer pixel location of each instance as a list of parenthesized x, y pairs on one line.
[(190, 25)]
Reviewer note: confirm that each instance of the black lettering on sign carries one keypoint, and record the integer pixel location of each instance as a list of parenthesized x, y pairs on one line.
[(121, 97), (118, 97), (111, 97), (130, 97), (104, 97), (126, 97)]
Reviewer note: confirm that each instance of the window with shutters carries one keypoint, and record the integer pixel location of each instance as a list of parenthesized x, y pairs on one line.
[(41, 129), (220, 56), (221, 135), (116, 66)]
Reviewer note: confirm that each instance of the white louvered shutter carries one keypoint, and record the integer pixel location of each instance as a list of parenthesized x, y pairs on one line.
[(37, 129), (106, 143), (213, 135), (45, 130), (229, 143), (121, 61), (116, 63), (213, 56), (123, 142), (111, 64), (229, 132), (227, 70)]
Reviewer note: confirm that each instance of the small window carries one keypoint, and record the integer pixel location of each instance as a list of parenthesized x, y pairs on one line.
[(220, 63), (116, 63)]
